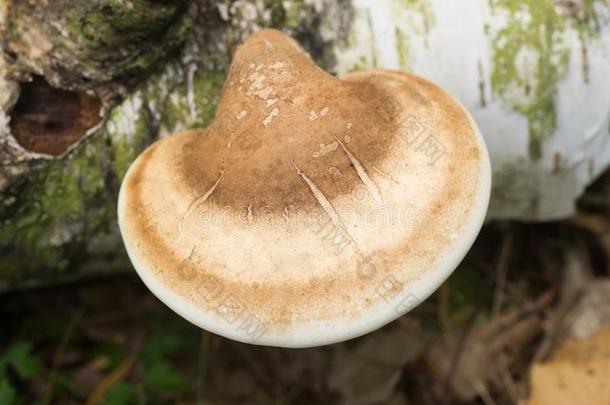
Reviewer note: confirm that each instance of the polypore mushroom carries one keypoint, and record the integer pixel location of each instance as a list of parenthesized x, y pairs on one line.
[(312, 210)]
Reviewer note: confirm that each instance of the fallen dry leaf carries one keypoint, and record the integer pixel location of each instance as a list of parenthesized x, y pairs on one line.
[(489, 350), (592, 313), (579, 318), (368, 373), (578, 374)]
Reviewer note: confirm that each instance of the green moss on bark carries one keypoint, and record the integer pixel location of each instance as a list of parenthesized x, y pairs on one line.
[(403, 49), (130, 33), (60, 204), (95, 44), (66, 213)]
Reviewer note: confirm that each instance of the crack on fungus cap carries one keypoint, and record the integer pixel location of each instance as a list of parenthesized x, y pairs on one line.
[(312, 210)]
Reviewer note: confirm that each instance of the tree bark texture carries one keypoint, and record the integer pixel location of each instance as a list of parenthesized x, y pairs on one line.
[(85, 86)]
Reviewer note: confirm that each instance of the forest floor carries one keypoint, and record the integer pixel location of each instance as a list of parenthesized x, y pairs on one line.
[(525, 319)]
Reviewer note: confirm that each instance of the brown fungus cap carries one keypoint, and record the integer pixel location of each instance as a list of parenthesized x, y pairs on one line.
[(312, 210)]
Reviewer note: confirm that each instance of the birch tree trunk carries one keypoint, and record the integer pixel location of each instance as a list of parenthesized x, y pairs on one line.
[(86, 85)]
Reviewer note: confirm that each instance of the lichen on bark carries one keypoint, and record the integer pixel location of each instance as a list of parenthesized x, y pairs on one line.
[(416, 19), (531, 56)]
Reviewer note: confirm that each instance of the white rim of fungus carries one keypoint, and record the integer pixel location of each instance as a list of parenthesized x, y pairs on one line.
[(329, 332)]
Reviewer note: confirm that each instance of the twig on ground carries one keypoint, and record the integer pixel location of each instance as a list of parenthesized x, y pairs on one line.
[(202, 367), (502, 271), (118, 374), (61, 348)]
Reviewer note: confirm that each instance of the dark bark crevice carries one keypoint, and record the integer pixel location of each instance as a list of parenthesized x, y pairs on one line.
[(49, 120)]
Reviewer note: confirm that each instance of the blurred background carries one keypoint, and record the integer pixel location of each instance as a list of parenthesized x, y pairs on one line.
[(85, 86)]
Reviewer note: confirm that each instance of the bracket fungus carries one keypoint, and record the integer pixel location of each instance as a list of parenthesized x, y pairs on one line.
[(312, 209)]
